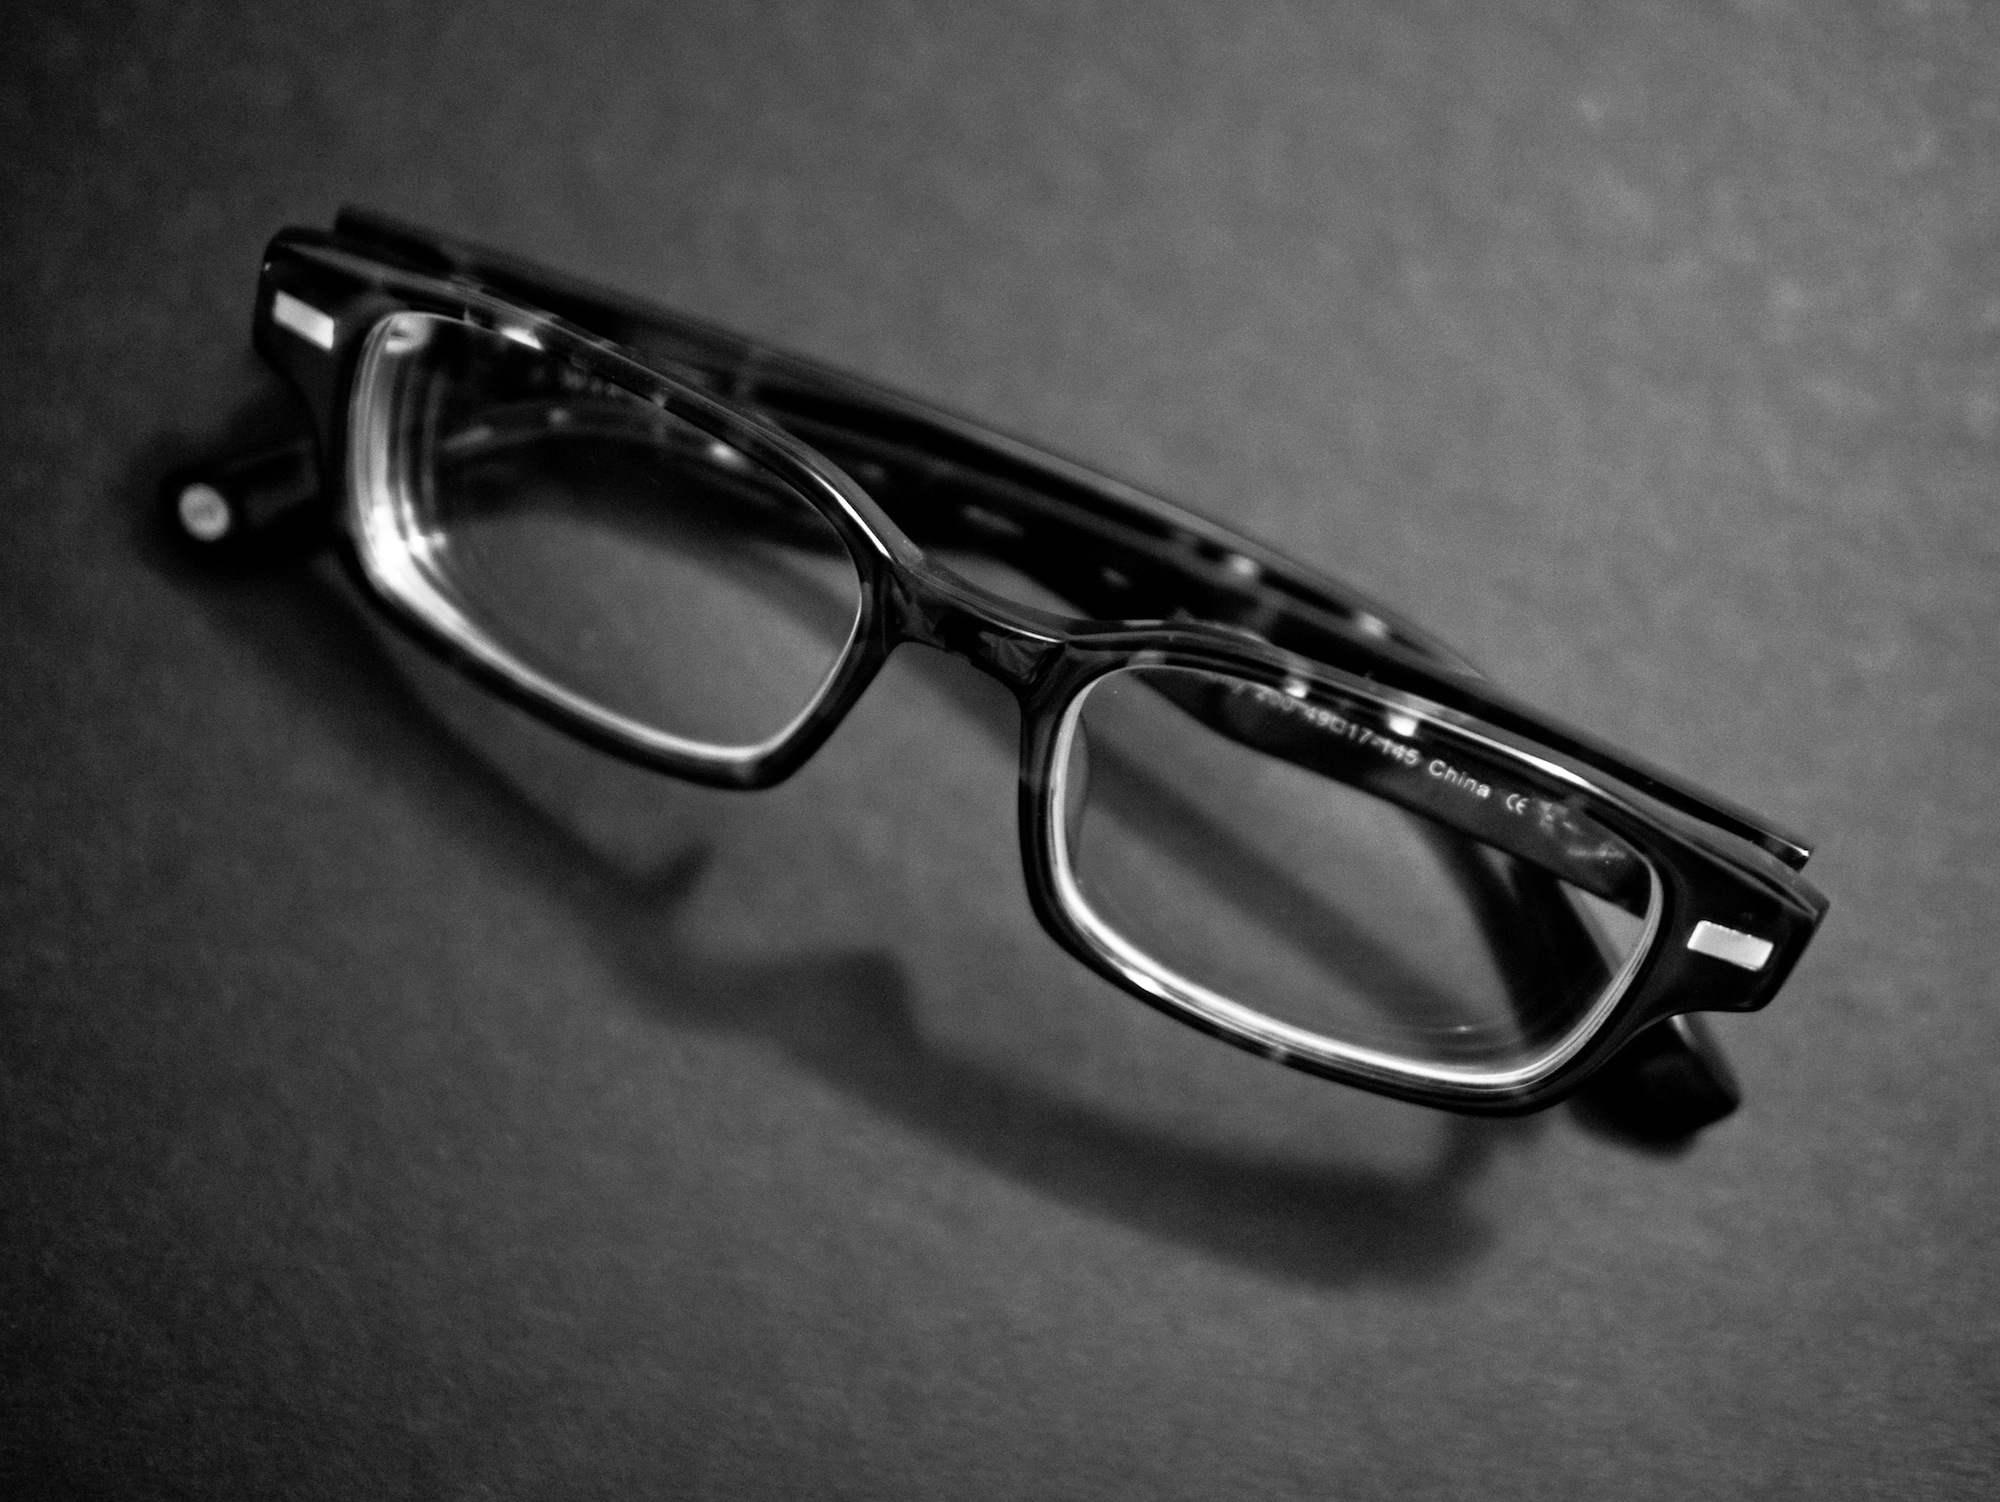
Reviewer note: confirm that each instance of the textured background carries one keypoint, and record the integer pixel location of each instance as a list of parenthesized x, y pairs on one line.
[(399, 1101)]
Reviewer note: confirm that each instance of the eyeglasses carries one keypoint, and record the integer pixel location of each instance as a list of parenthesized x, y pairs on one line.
[(1249, 796)]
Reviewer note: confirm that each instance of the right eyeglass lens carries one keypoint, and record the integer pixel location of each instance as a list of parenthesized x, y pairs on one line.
[(1330, 864), (592, 545)]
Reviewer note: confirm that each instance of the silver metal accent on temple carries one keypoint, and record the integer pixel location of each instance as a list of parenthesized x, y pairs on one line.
[(302, 319), (1745, 951)]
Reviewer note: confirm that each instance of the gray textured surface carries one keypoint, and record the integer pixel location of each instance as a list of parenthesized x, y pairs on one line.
[(397, 1101)]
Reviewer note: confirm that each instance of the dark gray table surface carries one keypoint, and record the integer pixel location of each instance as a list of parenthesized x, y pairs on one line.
[(398, 1100)]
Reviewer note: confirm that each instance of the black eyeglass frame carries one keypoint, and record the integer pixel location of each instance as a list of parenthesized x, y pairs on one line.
[(1215, 600)]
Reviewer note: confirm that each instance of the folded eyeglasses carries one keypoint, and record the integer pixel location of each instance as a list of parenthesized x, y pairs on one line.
[(1249, 795)]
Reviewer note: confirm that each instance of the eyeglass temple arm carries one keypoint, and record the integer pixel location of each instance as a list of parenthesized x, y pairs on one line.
[(250, 502)]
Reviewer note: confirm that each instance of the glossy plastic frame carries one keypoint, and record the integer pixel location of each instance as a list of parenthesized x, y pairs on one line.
[(896, 479)]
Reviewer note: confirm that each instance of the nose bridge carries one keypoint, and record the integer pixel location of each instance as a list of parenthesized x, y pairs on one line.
[(995, 635)]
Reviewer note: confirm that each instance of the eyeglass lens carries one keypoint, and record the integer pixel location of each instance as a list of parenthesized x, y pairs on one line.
[(639, 563), (1275, 853)]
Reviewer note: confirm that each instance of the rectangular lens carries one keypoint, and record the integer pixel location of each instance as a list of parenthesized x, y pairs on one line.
[(609, 554), (1367, 880)]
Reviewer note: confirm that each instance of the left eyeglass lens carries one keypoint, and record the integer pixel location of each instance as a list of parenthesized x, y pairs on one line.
[(1346, 875), (655, 577)]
